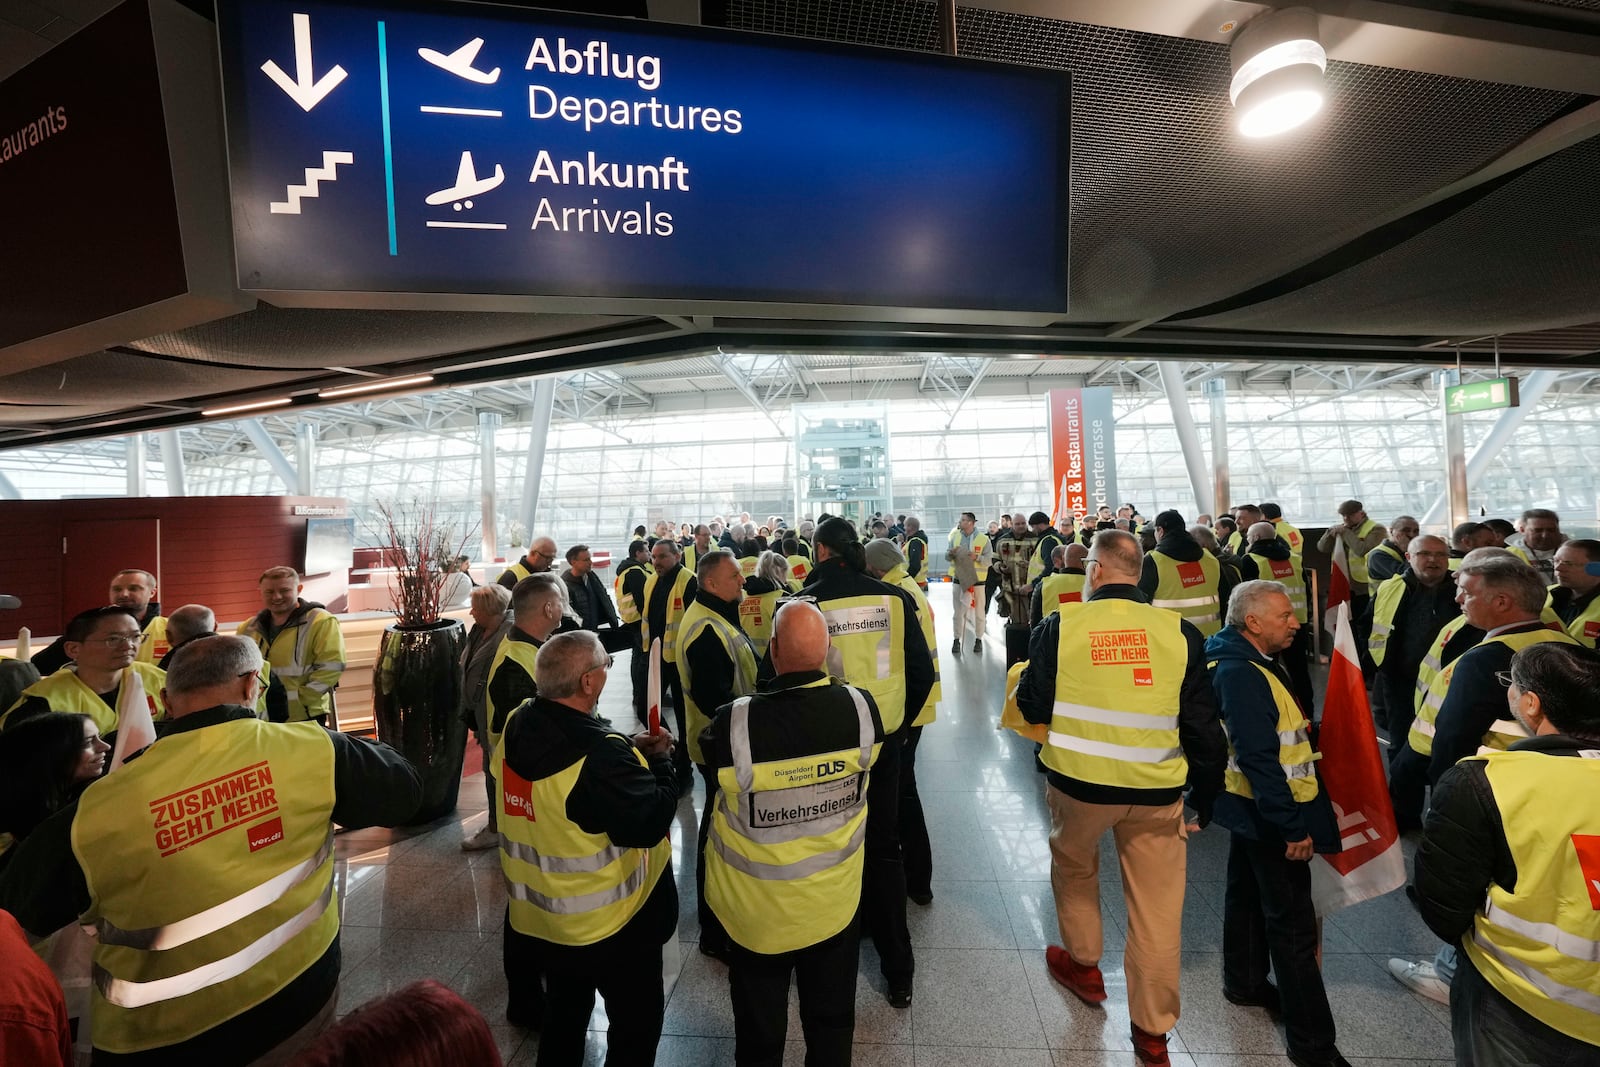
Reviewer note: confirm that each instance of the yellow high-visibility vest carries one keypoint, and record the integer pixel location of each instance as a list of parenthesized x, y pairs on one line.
[(65, 691), (1119, 670), (1358, 561), (209, 862), (784, 855), (866, 648), (1423, 726), (755, 617), (799, 569), (980, 541), (1390, 593), (627, 607), (1295, 755), (897, 576), (1288, 572), (1291, 535), (675, 610), (697, 619), (309, 658), (1192, 590), (153, 644), (1061, 588), (1536, 944), (565, 884), (524, 655)]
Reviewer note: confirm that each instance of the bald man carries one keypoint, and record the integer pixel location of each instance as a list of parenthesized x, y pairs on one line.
[(541, 555), (784, 862)]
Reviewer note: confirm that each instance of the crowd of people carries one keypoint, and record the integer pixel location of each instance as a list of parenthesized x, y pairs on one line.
[(175, 789)]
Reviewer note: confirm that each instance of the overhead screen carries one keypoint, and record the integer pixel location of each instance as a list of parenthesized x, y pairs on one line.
[(461, 155)]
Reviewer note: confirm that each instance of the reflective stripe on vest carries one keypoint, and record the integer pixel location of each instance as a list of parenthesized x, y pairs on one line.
[(675, 609), (565, 884), (897, 576), (1190, 589), (784, 862), (1121, 663), (1286, 572), (1390, 593), (153, 644), (210, 868), (1295, 755), (866, 647), (295, 661), (1433, 661), (1539, 944), (741, 655), (1424, 726), (1059, 589)]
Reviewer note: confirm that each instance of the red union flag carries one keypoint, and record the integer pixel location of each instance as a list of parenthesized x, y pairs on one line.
[(1351, 770), (1339, 577)]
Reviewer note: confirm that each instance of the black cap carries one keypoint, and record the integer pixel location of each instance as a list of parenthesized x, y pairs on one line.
[(1038, 518), (1169, 520)]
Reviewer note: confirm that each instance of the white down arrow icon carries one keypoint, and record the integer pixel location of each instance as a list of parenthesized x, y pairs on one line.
[(302, 88)]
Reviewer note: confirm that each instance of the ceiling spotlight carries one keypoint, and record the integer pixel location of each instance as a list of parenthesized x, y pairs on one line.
[(1278, 65)]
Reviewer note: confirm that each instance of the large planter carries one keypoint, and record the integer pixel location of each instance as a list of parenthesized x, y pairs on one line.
[(416, 700)]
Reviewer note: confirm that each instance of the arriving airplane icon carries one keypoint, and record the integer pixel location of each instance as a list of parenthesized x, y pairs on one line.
[(467, 185), (460, 61)]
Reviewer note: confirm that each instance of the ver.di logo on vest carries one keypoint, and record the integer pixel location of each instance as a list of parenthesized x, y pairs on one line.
[(1191, 574), (518, 793)]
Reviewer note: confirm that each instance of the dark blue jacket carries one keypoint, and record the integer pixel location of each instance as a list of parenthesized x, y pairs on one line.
[(1250, 714)]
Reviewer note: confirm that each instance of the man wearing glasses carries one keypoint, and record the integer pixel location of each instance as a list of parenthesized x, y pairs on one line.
[(541, 555), (1576, 594), (1408, 612), (102, 643), (207, 867), (584, 814)]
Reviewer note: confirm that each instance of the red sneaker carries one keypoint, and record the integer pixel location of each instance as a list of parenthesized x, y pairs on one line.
[(1084, 980), (1150, 1048)]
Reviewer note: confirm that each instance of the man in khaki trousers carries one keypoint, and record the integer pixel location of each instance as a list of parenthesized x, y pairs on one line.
[(1133, 724)]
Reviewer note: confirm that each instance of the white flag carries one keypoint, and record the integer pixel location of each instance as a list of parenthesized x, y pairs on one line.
[(136, 728)]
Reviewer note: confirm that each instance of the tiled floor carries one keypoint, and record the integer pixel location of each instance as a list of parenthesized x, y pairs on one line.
[(415, 906)]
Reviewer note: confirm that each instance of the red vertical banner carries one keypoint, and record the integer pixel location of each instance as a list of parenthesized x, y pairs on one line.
[(1067, 453)]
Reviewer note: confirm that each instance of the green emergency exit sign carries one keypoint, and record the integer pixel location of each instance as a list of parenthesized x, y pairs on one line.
[(1480, 396)]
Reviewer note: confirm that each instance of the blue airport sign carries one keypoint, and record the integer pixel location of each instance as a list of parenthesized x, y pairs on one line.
[(463, 155)]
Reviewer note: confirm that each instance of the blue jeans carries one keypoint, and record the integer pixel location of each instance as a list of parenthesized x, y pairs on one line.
[(1490, 1031)]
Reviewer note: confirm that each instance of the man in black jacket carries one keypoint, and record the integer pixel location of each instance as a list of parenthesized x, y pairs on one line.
[(279, 825), (587, 592), (1265, 548), (1407, 616), (624, 791), (630, 579), (1510, 877), (916, 550), (1116, 681)]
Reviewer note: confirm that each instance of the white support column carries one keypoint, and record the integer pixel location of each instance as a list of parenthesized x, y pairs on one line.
[(1469, 471), (270, 452), (172, 460), (1188, 439), (305, 455), (1217, 390), (488, 489), (544, 402), (138, 453)]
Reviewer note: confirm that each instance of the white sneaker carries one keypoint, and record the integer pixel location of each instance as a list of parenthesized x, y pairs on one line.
[(1420, 978), (481, 841)]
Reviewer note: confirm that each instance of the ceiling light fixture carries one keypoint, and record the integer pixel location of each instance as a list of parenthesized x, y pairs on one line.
[(237, 408), (1278, 67), (373, 387)]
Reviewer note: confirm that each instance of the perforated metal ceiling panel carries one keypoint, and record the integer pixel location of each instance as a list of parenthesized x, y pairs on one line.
[(1525, 257), (1172, 209), (272, 337), (117, 379)]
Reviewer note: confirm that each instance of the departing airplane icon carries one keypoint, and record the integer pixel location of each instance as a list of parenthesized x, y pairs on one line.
[(460, 62), (467, 185)]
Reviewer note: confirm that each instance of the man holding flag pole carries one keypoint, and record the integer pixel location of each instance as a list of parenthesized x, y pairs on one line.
[(1279, 817)]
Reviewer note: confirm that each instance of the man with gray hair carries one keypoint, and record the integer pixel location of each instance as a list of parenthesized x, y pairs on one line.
[(218, 835), (573, 789), (1464, 709), (536, 612), (1278, 817), (1123, 688), (196, 620)]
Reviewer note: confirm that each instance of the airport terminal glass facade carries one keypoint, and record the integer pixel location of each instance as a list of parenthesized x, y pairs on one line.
[(690, 457)]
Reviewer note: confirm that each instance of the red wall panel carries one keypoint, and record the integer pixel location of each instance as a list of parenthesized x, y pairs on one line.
[(213, 549)]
